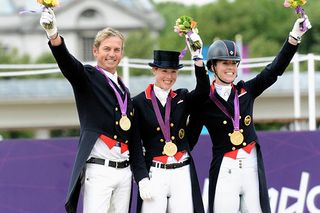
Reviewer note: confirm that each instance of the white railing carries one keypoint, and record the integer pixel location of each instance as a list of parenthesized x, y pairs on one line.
[(127, 63)]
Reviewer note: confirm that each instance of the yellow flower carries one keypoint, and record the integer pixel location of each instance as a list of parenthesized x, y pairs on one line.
[(49, 3), (296, 3)]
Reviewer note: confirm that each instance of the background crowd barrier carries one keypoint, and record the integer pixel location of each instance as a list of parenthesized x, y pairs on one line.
[(34, 174)]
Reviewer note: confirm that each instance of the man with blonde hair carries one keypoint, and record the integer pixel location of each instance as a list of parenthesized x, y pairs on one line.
[(105, 112)]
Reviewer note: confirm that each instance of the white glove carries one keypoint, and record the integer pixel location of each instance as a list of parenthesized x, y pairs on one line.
[(195, 44), (296, 32), (145, 189), (48, 22)]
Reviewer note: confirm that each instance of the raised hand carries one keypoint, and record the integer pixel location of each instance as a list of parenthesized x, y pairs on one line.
[(194, 44), (48, 22), (296, 31)]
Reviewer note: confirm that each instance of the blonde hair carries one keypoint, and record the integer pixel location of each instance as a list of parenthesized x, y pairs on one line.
[(107, 33)]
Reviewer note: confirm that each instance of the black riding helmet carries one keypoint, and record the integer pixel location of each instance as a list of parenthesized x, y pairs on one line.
[(223, 50)]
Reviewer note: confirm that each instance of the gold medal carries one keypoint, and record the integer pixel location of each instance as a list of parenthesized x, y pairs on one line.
[(236, 137), (247, 120), (125, 123), (170, 149)]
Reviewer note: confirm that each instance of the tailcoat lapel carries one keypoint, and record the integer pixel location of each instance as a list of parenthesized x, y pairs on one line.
[(227, 104)]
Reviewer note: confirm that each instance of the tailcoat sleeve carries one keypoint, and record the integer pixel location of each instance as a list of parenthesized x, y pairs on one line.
[(197, 96), (270, 73), (137, 160), (70, 67), (196, 99)]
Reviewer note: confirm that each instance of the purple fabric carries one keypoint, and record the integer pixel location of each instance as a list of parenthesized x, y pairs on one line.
[(164, 123), (292, 168), (122, 103), (301, 14), (34, 174), (236, 107)]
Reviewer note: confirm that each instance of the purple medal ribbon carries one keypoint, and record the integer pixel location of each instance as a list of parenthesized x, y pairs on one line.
[(300, 11), (164, 125), (184, 51), (122, 104), (235, 120)]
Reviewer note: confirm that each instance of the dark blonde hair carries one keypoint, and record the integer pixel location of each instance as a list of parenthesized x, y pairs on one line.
[(107, 33)]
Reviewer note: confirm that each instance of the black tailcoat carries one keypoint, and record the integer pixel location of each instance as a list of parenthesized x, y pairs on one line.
[(98, 112), (149, 135), (220, 125)]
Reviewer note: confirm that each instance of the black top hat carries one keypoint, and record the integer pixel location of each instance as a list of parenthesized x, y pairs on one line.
[(166, 59)]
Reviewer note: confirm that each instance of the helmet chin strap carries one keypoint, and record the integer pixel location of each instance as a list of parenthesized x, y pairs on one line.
[(222, 80)]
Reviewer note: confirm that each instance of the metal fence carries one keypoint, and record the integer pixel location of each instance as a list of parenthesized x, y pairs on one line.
[(130, 63)]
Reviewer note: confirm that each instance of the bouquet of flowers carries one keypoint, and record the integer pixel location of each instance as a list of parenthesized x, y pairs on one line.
[(186, 26), (297, 5), (48, 4)]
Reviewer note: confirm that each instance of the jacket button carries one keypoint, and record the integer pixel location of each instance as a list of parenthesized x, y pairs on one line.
[(171, 124), (158, 129), (233, 148), (224, 122), (172, 137), (116, 109), (115, 136), (117, 123), (161, 140)]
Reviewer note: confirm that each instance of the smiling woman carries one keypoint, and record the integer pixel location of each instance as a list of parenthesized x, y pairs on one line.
[(165, 78), (237, 179), (166, 173)]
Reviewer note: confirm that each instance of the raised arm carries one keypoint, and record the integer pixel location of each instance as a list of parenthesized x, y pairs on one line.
[(71, 68), (201, 92), (270, 73), (49, 24)]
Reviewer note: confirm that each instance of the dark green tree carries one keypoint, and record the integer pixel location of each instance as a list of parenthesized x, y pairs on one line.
[(263, 24)]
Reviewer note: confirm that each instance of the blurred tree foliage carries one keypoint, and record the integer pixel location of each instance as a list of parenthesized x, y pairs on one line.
[(263, 24), (45, 58), (16, 134), (12, 56), (140, 44)]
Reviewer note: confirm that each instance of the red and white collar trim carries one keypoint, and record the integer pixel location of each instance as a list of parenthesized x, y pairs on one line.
[(242, 90), (150, 88)]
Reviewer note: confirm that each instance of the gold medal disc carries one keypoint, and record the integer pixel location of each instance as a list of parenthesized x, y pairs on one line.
[(170, 149), (236, 137), (125, 123)]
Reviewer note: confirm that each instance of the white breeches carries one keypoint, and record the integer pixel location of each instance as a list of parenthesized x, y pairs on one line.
[(237, 186), (106, 189), (172, 191)]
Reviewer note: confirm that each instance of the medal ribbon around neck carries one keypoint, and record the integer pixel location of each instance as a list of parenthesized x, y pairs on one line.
[(236, 137), (164, 124), (122, 103), (169, 149)]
